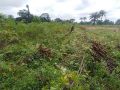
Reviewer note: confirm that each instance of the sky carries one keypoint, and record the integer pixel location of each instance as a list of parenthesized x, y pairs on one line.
[(64, 9)]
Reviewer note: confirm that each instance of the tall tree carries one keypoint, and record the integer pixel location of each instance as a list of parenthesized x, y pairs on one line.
[(28, 15), (24, 15), (84, 18), (102, 14), (45, 17), (81, 19), (72, 20), (94, 17)]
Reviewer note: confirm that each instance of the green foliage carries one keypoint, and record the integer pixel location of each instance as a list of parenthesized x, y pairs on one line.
[(43, 56)]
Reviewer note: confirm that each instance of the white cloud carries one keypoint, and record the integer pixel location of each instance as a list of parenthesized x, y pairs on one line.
[(63, 8), (11, 6), (11, 3)]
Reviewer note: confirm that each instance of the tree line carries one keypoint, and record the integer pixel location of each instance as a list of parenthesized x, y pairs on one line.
[(96, 18)]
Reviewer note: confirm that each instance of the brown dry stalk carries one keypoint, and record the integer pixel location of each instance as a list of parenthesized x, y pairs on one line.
[(81, 66), (99, 52), (44, 52)]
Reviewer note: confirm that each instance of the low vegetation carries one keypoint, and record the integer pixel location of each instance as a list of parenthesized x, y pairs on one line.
[(37, 53), (49, 56)]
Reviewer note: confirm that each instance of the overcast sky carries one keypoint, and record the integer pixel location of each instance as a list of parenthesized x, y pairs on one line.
[(64, 9)]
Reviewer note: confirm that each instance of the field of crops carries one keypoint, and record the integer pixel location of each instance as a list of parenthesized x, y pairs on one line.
[(48, 56)]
